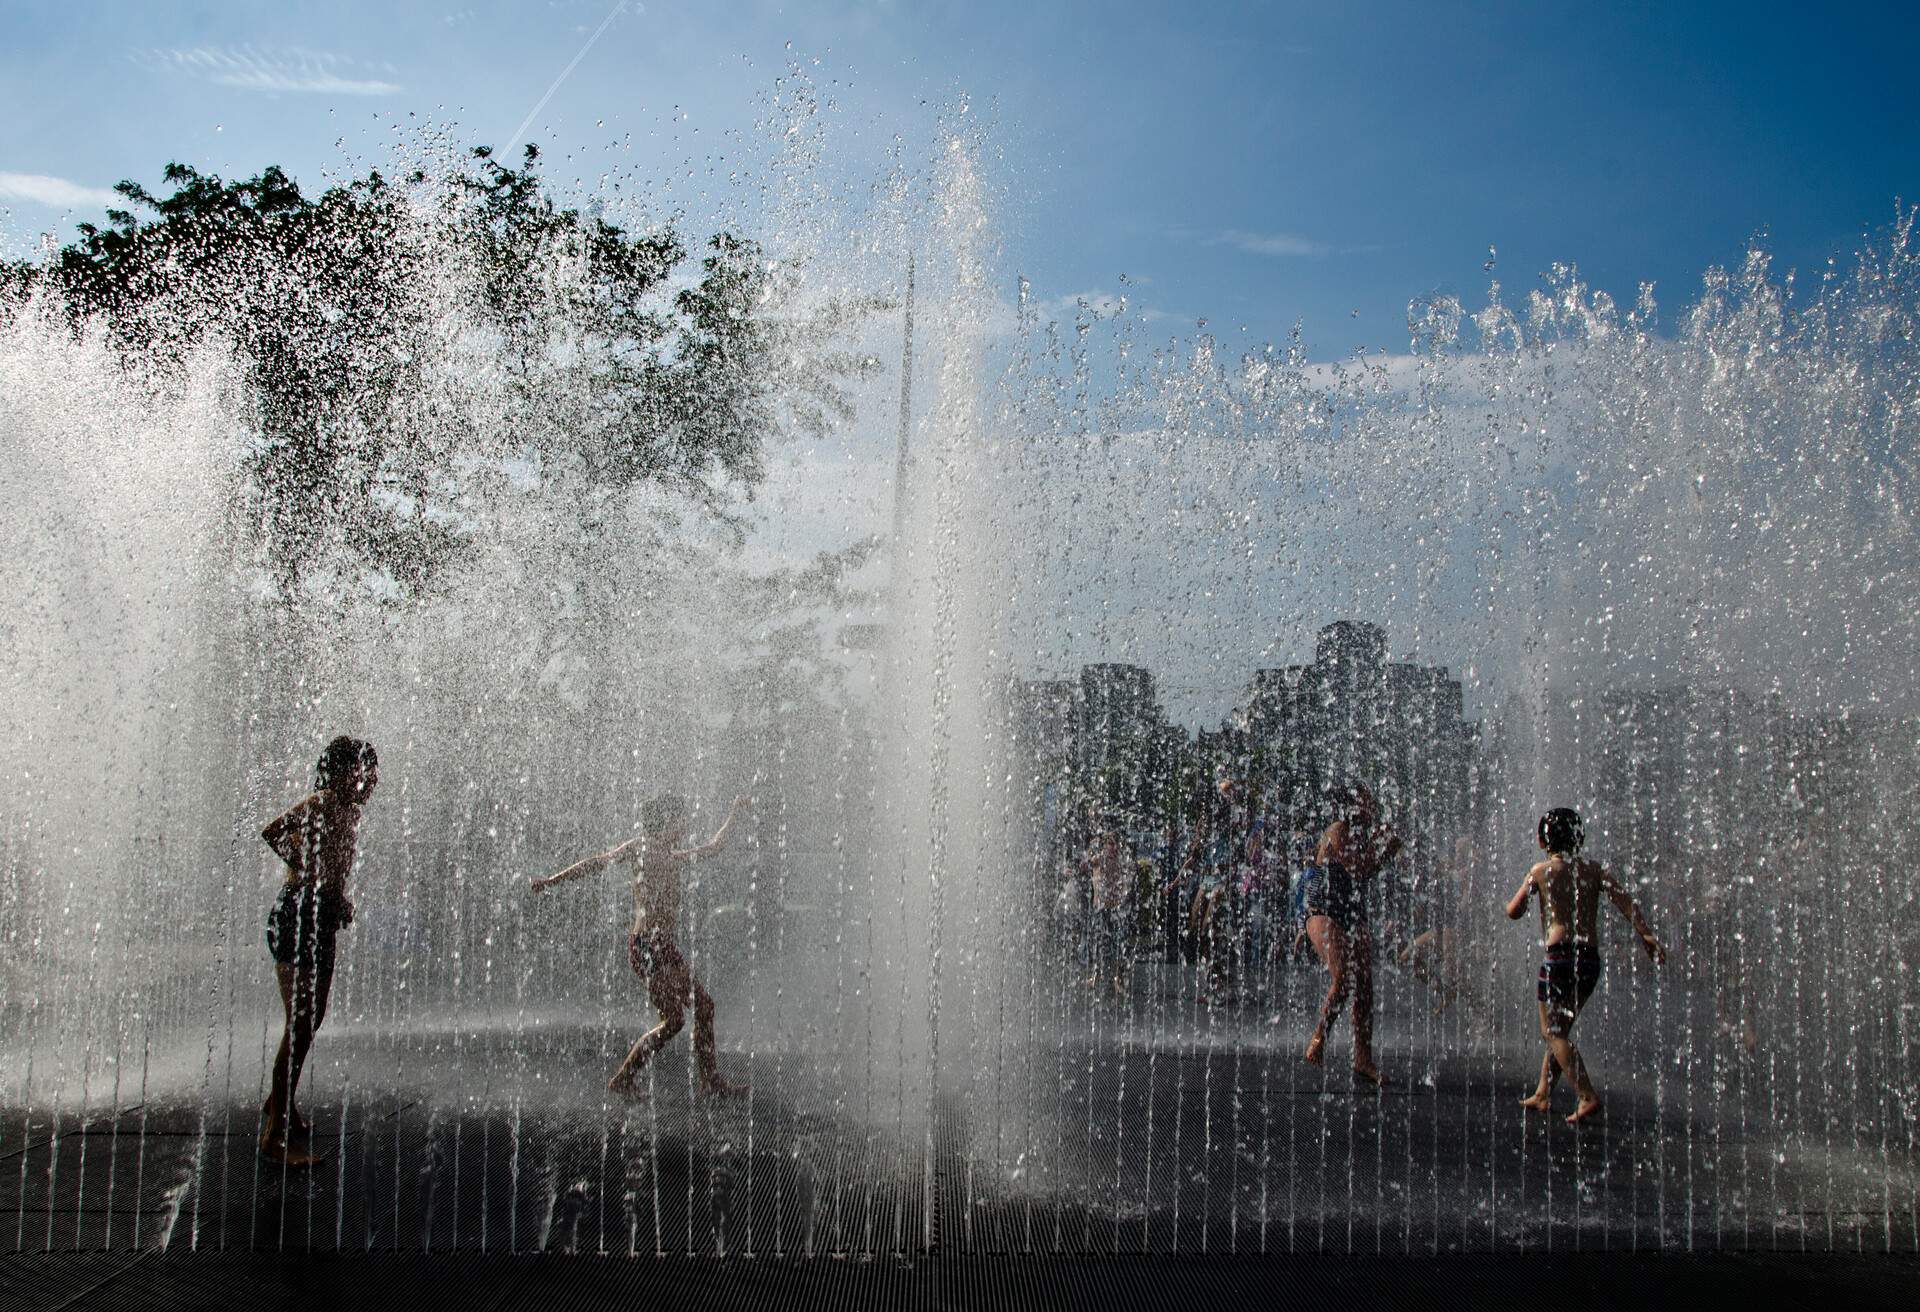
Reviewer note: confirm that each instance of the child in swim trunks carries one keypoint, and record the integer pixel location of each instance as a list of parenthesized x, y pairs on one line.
[(317, 839), (1570, 888), (658, 859)]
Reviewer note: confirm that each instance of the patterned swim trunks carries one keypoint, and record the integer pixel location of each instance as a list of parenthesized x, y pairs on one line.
[(1567, 979)]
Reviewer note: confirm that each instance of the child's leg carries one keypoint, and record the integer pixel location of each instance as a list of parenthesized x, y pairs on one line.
[(667, 989), (1331, 946), (1567, 1057), (704, 1054), (274, 1113), (1450, 969), (1542, 1093), (704, 1043), (1117, 929), (1362, 958), (320, 990), (1576, 1067), (1562, 1055), (304, 988), (1549, 1076)]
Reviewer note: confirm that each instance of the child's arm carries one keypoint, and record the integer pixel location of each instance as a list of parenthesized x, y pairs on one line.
[(284, 833), (720, 835), (592, 865), (1333, 845), (1631, 910), (1390, 847), (1384, 844), (1517, 904)]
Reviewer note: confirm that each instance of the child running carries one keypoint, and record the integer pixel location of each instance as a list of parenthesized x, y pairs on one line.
[(1334, 898), (1570, 889), (317, 839), (658, 859)]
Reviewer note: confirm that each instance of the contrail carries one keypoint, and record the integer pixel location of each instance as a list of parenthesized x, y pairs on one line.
[(566, 72)]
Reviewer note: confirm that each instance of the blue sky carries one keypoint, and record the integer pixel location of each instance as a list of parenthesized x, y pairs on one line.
[(1252, 164)]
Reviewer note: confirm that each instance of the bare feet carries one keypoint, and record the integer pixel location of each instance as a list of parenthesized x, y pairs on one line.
[(276, 1149), (719, 1086), (1366, 1070), (1588, 1107), (1316, 1053), (1536, 1102)]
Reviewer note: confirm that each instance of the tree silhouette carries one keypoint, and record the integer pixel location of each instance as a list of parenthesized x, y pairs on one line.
[(624, 366)]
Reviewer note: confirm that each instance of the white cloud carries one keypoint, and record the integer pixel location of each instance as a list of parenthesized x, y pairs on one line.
[(1100, 305), (1374, 374), (55, 193), (289, 71), (1271, 243)]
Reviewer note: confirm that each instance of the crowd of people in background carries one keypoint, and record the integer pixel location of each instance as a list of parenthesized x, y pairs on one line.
[(1230, 891), (1237, 898)]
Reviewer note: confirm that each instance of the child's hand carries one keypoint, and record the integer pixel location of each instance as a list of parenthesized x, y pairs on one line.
[(537, 884), (346, 912), (1657, 953)]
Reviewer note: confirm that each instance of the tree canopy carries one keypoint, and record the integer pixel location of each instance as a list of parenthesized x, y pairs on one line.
[(623, 360)]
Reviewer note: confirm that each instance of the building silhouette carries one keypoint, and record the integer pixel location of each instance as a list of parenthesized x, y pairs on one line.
[(1099, 748), (1353, 716)]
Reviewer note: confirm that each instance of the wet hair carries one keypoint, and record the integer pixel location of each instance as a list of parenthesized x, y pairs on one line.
[(1561, 831), (341, 758), (1351, 801), (661, 811)]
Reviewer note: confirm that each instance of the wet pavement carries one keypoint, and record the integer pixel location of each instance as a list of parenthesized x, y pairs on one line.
[(1123, 1134)]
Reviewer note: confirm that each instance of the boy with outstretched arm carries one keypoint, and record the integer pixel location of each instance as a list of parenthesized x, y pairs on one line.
[(657, 861)]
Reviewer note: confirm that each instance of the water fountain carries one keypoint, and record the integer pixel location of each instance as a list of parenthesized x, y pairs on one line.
[(1671, 569)]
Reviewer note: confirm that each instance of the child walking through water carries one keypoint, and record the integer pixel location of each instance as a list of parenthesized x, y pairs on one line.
[(1333, 896), (317, 840), (1570, 888), (658, 859)]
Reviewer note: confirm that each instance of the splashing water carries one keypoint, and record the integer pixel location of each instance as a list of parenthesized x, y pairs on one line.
[(1666, 577)]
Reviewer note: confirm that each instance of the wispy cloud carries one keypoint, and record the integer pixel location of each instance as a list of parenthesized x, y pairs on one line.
[(55, 193), (290, 71), (1098, 305), (1271, 243)]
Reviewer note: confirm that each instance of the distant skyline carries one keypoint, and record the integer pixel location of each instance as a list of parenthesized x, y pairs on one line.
[(1253, 165)]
